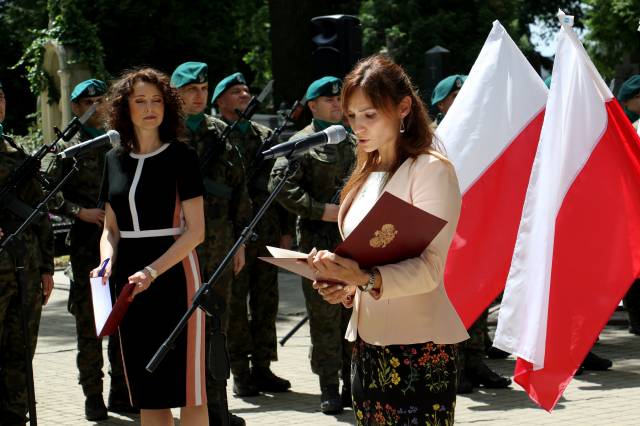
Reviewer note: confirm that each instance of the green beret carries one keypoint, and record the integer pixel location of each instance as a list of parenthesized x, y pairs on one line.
[(629, 89), (227, 83), (547, 82), (326, 86), (87, 89), (190, 73), (446, 86)]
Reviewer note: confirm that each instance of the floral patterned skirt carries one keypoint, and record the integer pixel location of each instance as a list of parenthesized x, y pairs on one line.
[(403, 384)]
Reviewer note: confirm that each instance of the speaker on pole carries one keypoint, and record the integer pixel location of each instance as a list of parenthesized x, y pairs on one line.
[(337, 45)]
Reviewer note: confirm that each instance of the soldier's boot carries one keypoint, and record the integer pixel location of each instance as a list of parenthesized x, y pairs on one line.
[(345, 395), (631, 302), (243, 384), (94, 408), (634, 322), (265, 380), (493, 352), (596, 363), (480, 374), (119, 402), (330, 401), (463, 385), (218, 407)]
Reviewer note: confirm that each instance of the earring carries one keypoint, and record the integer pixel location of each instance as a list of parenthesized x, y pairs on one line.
[(402, 128)]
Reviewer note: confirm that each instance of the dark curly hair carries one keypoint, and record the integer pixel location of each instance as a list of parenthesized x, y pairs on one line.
[(119, 115)]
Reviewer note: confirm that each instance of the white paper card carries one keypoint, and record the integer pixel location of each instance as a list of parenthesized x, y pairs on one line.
[(101, 297)]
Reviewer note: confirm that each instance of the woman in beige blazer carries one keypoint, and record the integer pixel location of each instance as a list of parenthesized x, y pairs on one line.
[(404, 326)]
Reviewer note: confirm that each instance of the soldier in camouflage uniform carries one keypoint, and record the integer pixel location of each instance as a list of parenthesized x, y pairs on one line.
[(312, 194), (227, 209), (472, 370), (253, 341), (79, 201), (35, 248)]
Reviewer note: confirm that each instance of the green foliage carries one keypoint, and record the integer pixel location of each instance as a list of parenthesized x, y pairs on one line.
[(68, 27), (252, 31), (408, 28), (612, 34)]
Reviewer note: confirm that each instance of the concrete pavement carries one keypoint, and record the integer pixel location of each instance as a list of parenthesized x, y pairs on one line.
[(611, 398)]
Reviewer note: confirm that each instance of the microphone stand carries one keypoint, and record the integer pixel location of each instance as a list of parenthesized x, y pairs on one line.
[(221, 368), (17, 249), (32, 164)]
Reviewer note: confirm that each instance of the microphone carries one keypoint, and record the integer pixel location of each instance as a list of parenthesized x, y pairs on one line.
[(111, 137), (295, 148)]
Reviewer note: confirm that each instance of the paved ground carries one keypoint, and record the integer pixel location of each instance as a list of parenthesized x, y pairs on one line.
[(610, 398)]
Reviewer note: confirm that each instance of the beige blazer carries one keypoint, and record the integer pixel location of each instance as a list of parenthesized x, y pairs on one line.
[(413, 306)]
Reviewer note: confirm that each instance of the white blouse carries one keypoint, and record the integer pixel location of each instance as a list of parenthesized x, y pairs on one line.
[(363, 202)]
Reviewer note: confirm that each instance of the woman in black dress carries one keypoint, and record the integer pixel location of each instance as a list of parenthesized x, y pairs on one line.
[(154, 220)]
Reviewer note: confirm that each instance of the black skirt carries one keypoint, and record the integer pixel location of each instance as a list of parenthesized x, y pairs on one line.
[(403, 384)]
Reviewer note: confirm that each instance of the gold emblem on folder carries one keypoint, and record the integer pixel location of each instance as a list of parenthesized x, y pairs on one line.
[(383, 236)]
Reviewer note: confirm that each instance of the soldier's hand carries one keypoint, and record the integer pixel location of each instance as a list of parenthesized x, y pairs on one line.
[(330, 213), (92, 216), (47, 286), (238, 261)]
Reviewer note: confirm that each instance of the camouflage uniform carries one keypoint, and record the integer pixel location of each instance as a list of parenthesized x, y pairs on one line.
[(37, 259), (321, 175), (227, 210), (256, 339), (81, 191)]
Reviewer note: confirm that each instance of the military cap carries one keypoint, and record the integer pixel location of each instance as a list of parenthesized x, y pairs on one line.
[(446, 86), (227, 83), (87, 89), (190, 73), (629, 89), (325, 86)]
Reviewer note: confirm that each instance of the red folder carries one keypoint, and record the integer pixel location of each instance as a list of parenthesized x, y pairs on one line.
[(392, 231), (118, 311)]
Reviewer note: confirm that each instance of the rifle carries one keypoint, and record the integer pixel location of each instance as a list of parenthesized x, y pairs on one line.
[(31, 166), (292, 115), (248, 112)]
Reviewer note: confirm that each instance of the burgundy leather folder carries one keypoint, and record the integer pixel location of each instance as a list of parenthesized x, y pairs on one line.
[(392, 231), (118, 311)]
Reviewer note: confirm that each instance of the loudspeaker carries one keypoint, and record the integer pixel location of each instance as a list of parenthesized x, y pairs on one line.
[(337, 45)]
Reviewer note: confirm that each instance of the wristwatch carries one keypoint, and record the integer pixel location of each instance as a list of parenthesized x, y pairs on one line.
[(152, 272), (368, 286)]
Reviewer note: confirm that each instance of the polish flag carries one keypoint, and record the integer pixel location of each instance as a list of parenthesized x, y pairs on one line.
[(490, 134), (578, 245)]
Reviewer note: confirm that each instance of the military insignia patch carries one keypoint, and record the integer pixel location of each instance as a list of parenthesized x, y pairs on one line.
[(335, 88), (458, 83), (384, 236), (91, 91)]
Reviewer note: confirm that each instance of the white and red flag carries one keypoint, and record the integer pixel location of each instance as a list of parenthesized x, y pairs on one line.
[(490, 133), (578, 245)]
